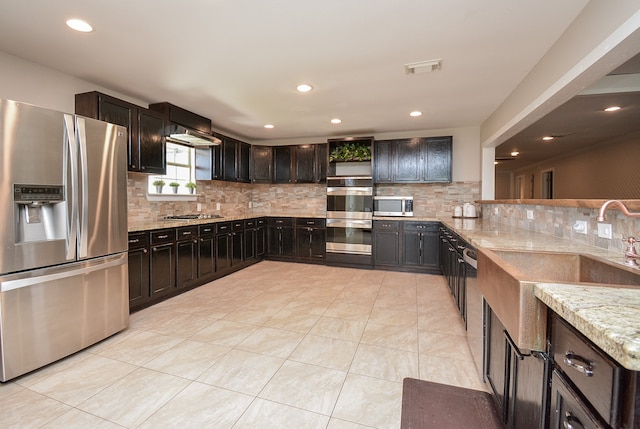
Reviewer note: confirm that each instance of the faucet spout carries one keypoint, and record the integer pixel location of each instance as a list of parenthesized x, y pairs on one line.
[(618, 204)]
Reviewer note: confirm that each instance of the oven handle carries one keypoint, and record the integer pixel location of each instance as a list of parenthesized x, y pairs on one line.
[(348, 223), (362, 190)]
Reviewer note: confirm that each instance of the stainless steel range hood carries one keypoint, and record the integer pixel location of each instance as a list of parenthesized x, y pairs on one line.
[(183, 135)]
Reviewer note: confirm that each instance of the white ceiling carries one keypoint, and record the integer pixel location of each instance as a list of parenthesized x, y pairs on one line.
[(238, 62)]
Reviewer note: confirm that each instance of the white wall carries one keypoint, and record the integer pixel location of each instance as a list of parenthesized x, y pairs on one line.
[(34, 84)]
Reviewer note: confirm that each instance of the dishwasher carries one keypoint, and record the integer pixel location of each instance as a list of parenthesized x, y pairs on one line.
[(475, 310)]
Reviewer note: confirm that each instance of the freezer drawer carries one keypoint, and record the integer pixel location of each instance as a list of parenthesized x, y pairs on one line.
[(50, 313)]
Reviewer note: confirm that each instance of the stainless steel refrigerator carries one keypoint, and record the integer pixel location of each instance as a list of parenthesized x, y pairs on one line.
[(63, 235)]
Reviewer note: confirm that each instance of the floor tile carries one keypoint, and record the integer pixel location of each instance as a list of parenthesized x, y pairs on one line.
[(393, 337), (200, 406), (348, 310), (242, 371), (188, 359), (272, 342), (266, 414), (224, 333), (454, 372), (387, 364), (342, 329), (305, 386), (341, 424), (292, 321), (370, 402), (326, 352), (72, 385), (24, 408), (444, 345), (136, 397), (140, 348), (76, 419)]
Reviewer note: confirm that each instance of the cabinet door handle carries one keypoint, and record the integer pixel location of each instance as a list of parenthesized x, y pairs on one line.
[(578, 363), (163, 236), (571, 422), (144, 250)]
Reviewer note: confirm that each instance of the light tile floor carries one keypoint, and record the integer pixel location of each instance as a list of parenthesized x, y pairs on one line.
[(276, 345)]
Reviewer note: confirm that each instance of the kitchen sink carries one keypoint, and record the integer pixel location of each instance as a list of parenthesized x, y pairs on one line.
[(507, 278)]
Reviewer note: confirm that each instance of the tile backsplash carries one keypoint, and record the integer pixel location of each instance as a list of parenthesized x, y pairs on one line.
[(430, 200), (559, 222)]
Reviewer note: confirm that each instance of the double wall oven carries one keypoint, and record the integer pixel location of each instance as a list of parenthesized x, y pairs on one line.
[(349, 220)]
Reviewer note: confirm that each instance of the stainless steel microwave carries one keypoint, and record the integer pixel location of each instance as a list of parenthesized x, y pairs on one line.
[(392, 206)]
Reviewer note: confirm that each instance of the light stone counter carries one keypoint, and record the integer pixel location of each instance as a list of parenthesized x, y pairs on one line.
[(610, 317), (173, 223)]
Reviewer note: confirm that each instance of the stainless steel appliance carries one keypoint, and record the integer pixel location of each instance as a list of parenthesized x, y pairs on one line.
[(475, 310), (392, 206), (349, 220), (63, 253)]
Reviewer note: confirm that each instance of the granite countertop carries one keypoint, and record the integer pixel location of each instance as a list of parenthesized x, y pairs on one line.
[(608, 316), (175, 223)]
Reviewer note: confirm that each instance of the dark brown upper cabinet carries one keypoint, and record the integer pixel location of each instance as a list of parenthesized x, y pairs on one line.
[(305, 165), (261, 164), (145, 128), (415, 160)]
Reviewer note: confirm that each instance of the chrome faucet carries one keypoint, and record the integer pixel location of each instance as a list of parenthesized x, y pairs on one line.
[(617, 203), (631, 256)]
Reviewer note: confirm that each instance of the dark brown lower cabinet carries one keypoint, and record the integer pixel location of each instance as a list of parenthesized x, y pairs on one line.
[(311, 241), (187, 257), (162, 272), (206, 252), (518, 381), (223, 248), (237, 243), (386, 243), (281, 238), (139, 291)]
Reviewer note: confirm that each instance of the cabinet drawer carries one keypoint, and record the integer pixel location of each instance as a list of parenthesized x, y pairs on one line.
[(261, 221), (138, 240), (310, 222), (223, 227), (237, 225), (163, 236), (570, 411), (207, 230), (280, 221), (593, 373), (187, 233), (250, 224), (388, 225), (421, 226)]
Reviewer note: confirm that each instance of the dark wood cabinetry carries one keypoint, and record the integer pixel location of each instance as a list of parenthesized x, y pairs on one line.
[(235, 160), (206, 252), (186, 256), (420, 245), (250, 240), (415, 160), (386, 243), (310, 239), (322, 162), (280, 238), (237, 243), (305, 163), (145, 140), (517, 379), (162, 265), (139, 290), (262, 164), (261, 237), (223, 247), (282, 164)]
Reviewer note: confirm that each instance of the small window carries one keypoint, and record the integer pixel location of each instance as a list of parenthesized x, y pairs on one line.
[(180, 169)]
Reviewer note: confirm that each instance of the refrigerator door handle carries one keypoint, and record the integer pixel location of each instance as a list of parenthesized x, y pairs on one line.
[(83, 190), (71, 188)]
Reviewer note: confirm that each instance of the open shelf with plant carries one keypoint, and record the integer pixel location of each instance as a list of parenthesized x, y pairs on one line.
[(350, 156)]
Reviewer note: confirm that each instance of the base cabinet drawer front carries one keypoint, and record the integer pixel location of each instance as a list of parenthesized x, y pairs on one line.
[(596, 376), (567, 409), (386, 243)]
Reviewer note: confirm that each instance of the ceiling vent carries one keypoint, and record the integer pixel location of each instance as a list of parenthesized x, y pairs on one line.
[(423, 67)]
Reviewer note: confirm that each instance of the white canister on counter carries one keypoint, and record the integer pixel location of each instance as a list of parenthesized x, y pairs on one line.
[(469, 210), (457, 211)]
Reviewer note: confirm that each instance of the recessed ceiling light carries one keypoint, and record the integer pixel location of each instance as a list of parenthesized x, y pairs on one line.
[(336, 121), (415, 114), (515, 153), (612, 109), (303, 87), (546, 138), (79, 25), (269, 126)]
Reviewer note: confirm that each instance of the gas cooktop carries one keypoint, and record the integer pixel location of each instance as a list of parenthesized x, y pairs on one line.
[(192, 217)]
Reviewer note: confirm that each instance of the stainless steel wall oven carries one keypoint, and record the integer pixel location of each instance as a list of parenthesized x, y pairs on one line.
[(349, 220)]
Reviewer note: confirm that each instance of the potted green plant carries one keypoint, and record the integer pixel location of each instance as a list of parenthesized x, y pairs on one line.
[(191, 187), (350, 152), (158, 184), (174, 187)]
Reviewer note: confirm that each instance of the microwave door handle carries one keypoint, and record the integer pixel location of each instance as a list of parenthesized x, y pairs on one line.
[(403, 206)]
